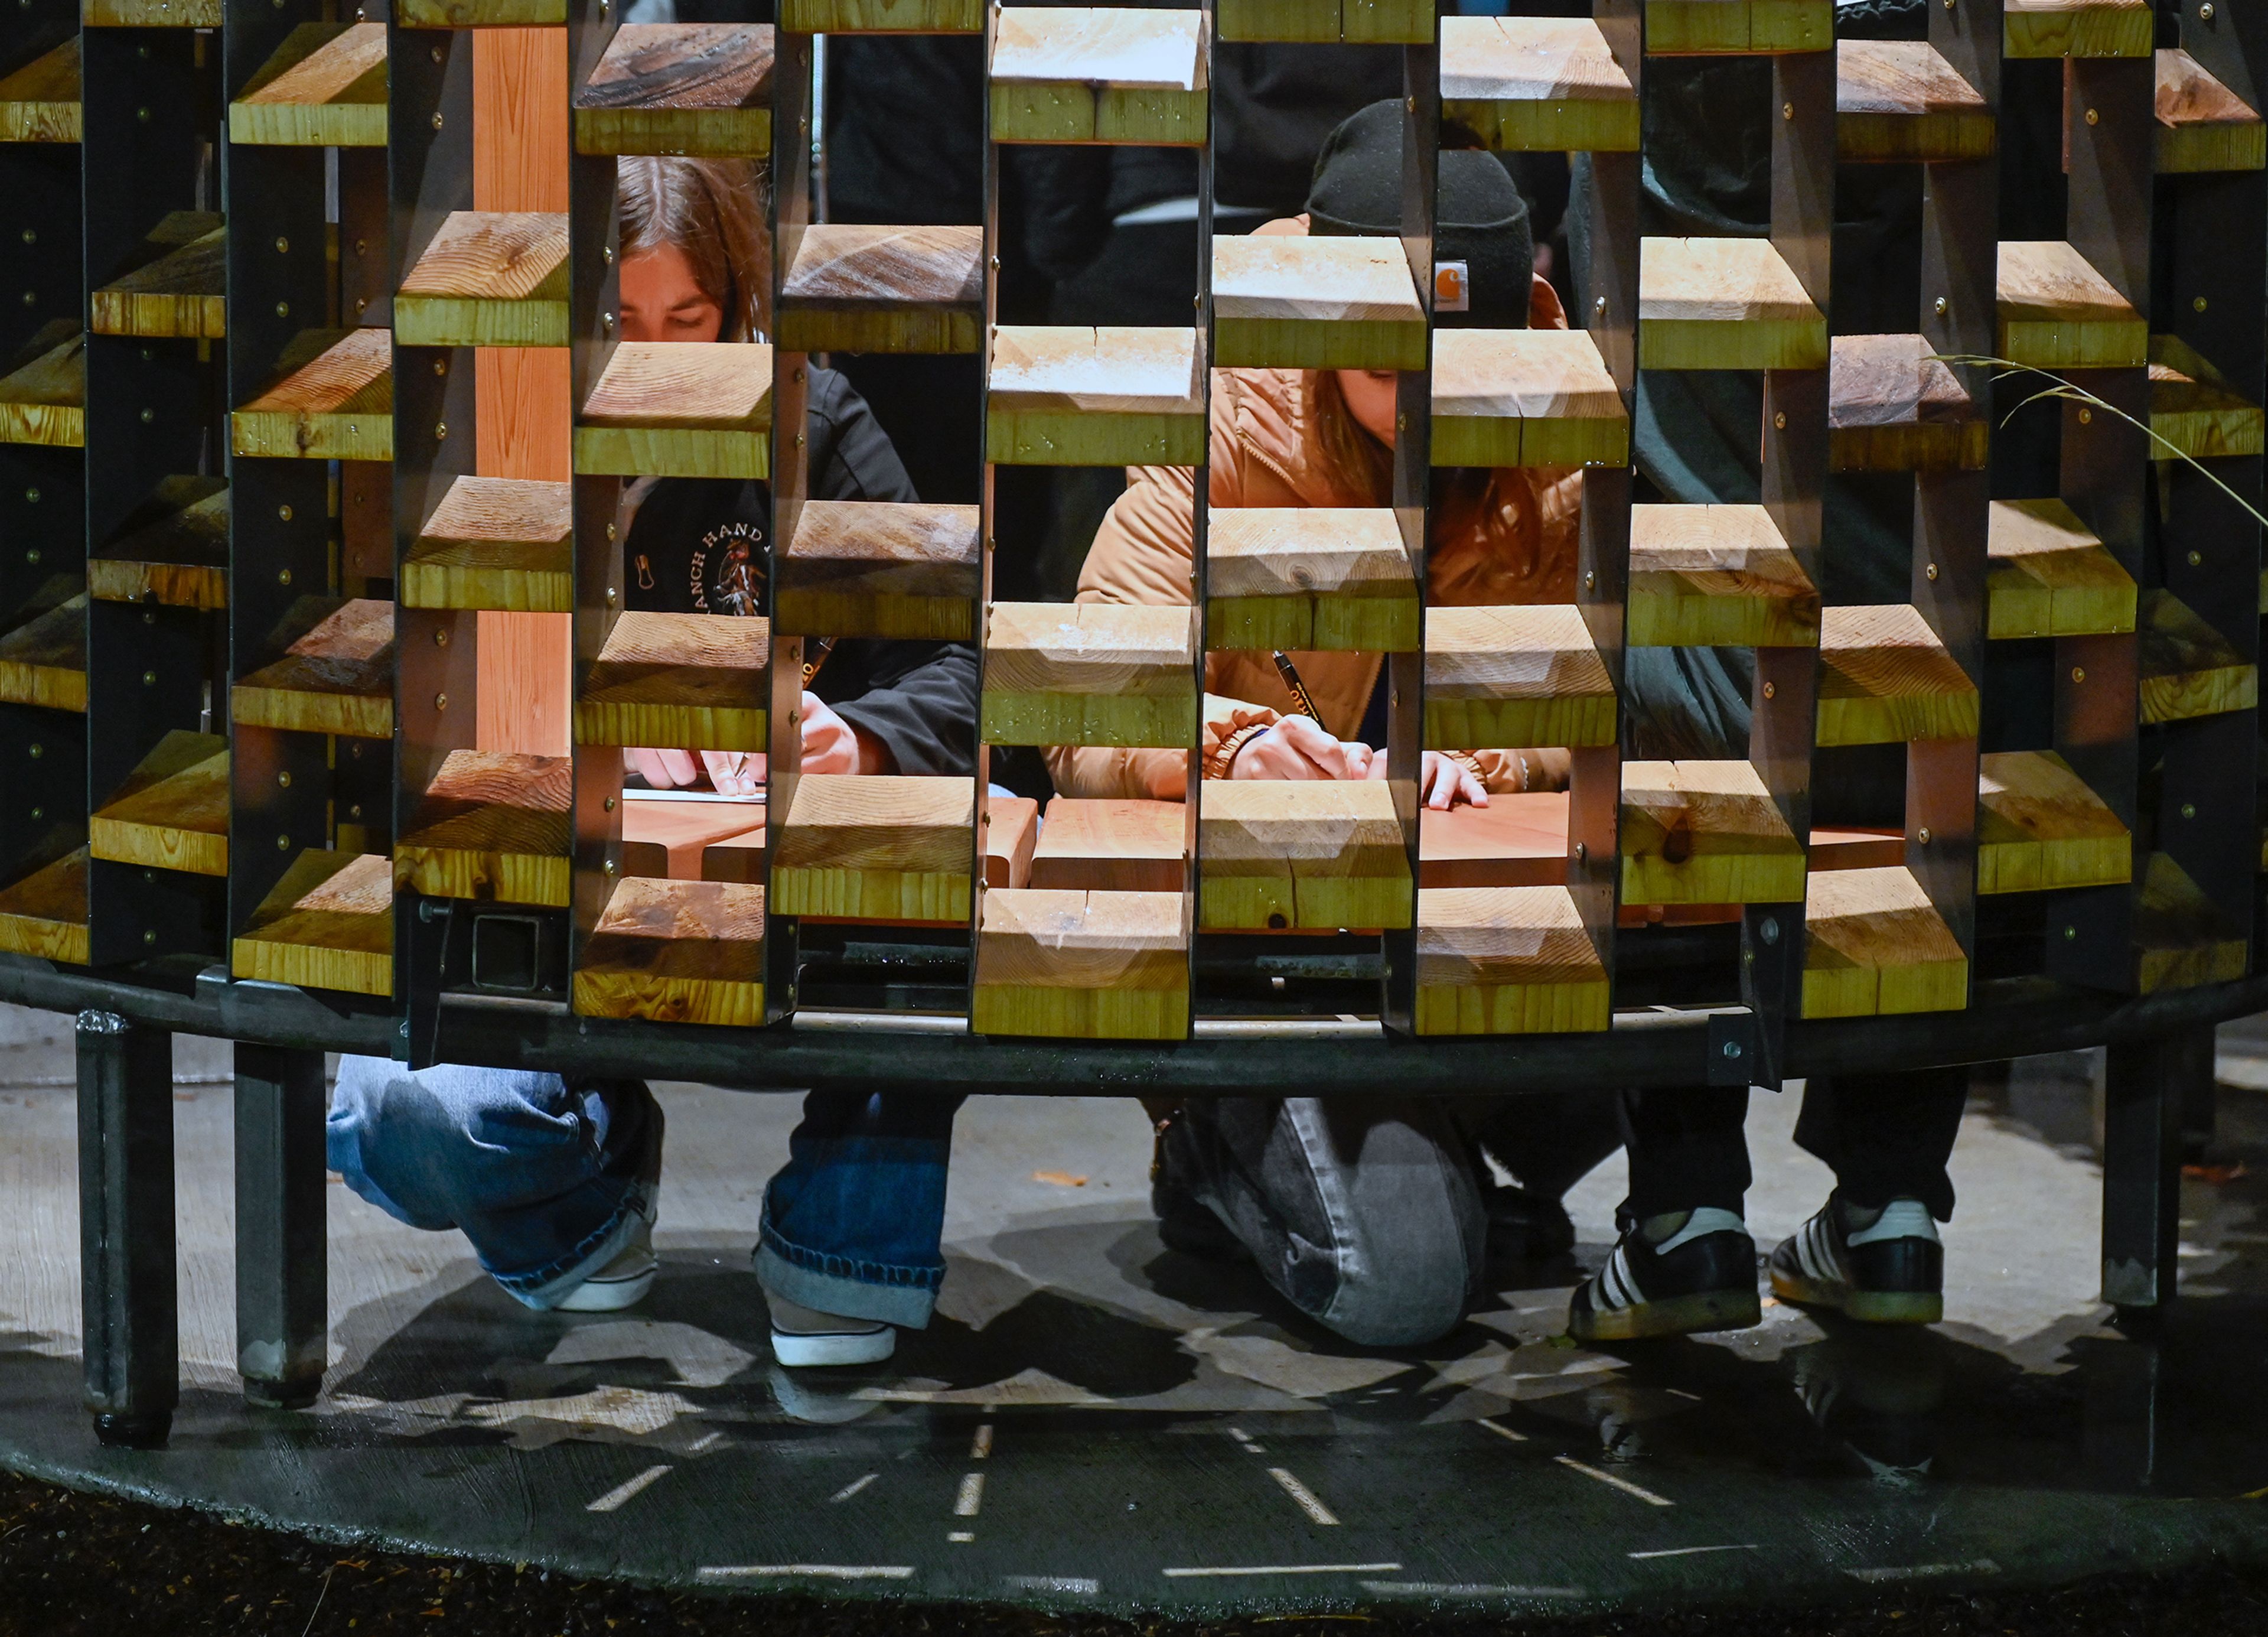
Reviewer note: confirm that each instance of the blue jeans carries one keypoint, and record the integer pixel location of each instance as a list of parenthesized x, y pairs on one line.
[(852, 1223), (549, 1180)]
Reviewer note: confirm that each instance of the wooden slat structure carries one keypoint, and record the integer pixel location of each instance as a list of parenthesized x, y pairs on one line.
[(173, 551), (1089, 673), (1076, 396), (332, 399), (889, 848), (495, 542), (679, 408), (1537, 84), (1310, 576), (492, 825), (1101, 74), (39, 101), (489, 278), (2050, 577), (171, 812), (1715, 575), (1525, 398), (860, 289), (328, 925), (874, 568), (325, 87), (688, 681), (698, 89), (336, 675)]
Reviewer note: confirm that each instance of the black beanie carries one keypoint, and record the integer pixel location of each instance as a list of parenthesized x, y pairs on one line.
[(1481, 220)]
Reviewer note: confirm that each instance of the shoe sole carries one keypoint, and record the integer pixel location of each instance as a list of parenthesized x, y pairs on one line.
[(607, 1295), (1868, 1307), (806, 1353), (1674, 1316)]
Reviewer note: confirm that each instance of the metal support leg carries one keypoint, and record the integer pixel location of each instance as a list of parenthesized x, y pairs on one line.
[(282, 1289), (127, 1279), (2141, 1166)]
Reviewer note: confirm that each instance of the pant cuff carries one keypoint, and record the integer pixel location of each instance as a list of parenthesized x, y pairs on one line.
[(908, 1307), (546, 1287)]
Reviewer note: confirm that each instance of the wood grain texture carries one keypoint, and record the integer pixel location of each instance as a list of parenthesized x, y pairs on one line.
[(328, 925), (1874, 945), (44, 400), (495, 542), (1537, 84), (882, 17), (1525, 398), (874, 568), (1707, 576), (2202, 124), (1899, 101), (173, 550), (1090, 673), (1893, 406), (2182, 938), (43, 660), (1506, 961), (1309, 578), (1356, 22), (889, 847), (2191, 407), (490, 279), (683, 682), (1083, 965), (514, 14), (2187, 668), (1082, 396), (492, 825), (1286, 301), (1724, 304), (1010, 829), (2056, 311), (1676, 27), (150, 13), (1516, 676), (735, 858), (183, 294), (336, 675), (1705, 832), (332, 399), (676, 952), (2039, 827), (679, 408), (867, 289), (1108, 74), (39, 101), (698, 89), (43, 915), (1112, 846), (171, 812), (667, 840), (1884, 678), (2077, 28), (2047, 575), (1325, 853), (325, 87)]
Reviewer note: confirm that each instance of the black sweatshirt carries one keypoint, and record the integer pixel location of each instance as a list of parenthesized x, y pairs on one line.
[(698, 546)]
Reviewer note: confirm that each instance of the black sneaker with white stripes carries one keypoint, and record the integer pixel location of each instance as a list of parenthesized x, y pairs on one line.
[(1700, 1276), (1887, 1267)]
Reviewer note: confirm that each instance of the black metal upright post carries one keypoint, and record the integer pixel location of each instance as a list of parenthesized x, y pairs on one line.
[(128, 1294), (283, 1283)]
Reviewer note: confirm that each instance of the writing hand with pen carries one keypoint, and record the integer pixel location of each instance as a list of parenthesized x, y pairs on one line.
[(1300, 747)]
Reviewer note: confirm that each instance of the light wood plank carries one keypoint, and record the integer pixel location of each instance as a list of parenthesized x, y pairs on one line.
[(1724, 304), (1010, 829), (2077, 28), (698, 89), (493, 825), (43, 915), (1884, 678), (1525, 398), (1899, 101), (1083, 965), (496, 543), (39, 101), (867, 289), (2202, 124), (1355, 22), (2188, 669), (1519, 839), (667, 840), (2182, 939), (1090, 673), (1081, 396), (44, 400), (43, 660), (173, 550), (1508, 960), (1893, 405), (685, 681), (150, 14), (2194, 410), (1102, 73), (1112, 846), (1875, 946), (888, 847), (2040, 827), (1705, 832), (479, 13), (1704, 576), (2047, 575), (1693, 27), (490, 279), (332, 399), (676, 952), (1514, 676), (1287, 301), (2057, 311), (872, 568), (1537, 84), (679, 408), (181, 293), (325, 87), (882, 17), (1325, 853), (328, 924), (335, 675), (171, 812), (1309, 578)]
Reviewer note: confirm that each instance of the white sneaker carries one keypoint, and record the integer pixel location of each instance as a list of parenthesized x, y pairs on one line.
[(622, 1283), (804, 1338)]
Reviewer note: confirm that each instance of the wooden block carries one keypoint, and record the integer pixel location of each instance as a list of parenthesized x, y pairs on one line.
[(2202, 124), (2187, 667), (1518, 840), (150, 13), (1293, 21), (1514, 676), (1893, 406), (336, 675), (2077, 28), (171, 812), (1387, 22), (679, 408), (1079, 395), (496, 543), (1112, 845), (39, 103), (494, 824), (2039, 827), (878, 847), (1090, 673), (479, 13), (2191, 408), (325, 87), (490, 279), (735, 858), (2057, 311), (1309, 578), (1724, 304), (1284, 301), (328, 924), (1705, 832), (1325, 853), (173, 550), (1537, 84), (1525, 398), (44, 914), (1679, 27), (676, 952), (44, 402), (43, 660), (1084, 965), (882, 17), (1506, 961), (860, 289), (1710, 575), (331, 398), (2184, 939), (183, 292), (1874, 945), (2047, 575), (1835, 847), (875, 568), (1899, 101), (1010, 829), (699, 89), (1884, 678), (667, 839), (683, 682), (1100, 74)]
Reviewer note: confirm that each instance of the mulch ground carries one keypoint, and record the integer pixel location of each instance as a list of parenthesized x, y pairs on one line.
[(72, 1563)]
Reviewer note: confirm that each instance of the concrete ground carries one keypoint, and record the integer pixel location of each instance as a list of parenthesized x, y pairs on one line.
[(1096, 1422)]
